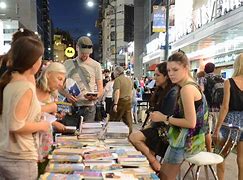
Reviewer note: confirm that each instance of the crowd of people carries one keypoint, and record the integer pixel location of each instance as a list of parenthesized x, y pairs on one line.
[(185, 112)]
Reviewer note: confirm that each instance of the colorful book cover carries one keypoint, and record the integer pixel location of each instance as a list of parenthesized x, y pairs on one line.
[(93, 163), (98, 155), (106, 168), (56, 176), (72, 87), (64, 107), (68, 151), (90, 175), (118, 175), (71, 144), (131, 159), (64, 168), (65, 158)]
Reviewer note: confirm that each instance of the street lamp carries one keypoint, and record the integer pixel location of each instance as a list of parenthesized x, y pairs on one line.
[(114, 9), (167, 29), (88, 34), (3, 5), (90, 3)]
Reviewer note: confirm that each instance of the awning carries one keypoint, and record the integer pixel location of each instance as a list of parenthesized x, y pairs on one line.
[(152, 67)]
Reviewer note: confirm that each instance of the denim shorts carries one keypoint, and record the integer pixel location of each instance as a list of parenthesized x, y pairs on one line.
[(174, 155)]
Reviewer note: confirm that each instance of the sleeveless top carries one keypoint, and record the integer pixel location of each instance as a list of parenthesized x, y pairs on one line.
[(191, 139), (19, 146), (236, 97)]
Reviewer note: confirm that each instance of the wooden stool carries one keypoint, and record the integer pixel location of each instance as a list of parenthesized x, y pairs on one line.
[(206, 159)]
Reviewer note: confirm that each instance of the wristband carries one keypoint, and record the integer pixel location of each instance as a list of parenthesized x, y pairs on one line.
[(167, 120), (115, 104)]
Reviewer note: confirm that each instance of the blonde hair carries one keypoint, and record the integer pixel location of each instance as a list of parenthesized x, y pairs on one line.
[(238, 65), (42, 81)]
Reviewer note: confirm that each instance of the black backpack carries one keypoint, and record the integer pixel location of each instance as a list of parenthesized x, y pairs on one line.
[(214, 91)]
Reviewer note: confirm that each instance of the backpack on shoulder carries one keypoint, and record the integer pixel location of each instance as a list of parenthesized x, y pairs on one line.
[(214, 91)]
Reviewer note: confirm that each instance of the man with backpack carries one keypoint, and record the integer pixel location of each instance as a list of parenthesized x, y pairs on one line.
[(214, 92)]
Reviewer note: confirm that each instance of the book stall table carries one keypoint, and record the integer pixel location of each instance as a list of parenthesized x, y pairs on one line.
[(98, 152)]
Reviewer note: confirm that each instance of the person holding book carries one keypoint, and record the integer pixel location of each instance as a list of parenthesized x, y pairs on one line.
[(50, 80), (20, 110), (187, 126), (48, 83), (88, 75), (152, 140)]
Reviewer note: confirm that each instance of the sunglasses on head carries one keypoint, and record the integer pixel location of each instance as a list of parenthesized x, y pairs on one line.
[(86, 46)]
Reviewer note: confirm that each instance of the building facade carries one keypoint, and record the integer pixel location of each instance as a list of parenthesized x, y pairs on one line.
[(30, 14), (116, 31)]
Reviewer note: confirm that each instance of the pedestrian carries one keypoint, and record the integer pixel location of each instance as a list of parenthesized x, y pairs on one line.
[(122, 98), (135, 103), (20, 110), (186, 132), (231, 112), (212, 86), (213, 89), (88, 75), (108, 91), (153, 141)]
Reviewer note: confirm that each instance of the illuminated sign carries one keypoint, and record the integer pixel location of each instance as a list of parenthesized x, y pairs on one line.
[(69, 52), (158, 19)]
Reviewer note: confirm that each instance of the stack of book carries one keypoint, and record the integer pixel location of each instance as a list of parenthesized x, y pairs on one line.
[(68, 142), (65, 158), (91, 128), (92, 158), (65, 168), (116, 130)]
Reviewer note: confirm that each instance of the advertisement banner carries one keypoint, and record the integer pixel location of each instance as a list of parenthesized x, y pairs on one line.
[(159, 19)]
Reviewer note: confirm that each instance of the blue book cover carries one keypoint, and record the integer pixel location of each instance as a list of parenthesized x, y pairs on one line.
[(74, 90)]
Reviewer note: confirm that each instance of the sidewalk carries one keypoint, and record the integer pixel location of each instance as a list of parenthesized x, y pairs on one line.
[(231, 165)]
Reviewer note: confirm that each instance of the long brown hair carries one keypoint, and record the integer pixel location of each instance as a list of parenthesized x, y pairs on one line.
[(24, 53), (158, 96)]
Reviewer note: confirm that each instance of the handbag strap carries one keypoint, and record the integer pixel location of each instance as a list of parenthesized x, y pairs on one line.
[(81, 75)]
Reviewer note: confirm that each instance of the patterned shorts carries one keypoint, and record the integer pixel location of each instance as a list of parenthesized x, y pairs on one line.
[(236, 119)]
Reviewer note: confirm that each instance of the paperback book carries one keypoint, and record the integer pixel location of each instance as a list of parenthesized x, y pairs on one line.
[(54, 176), (68, 151), (98, 155), (90, 175), (65, 158), (73, 87), (64, 107), (64, 168)]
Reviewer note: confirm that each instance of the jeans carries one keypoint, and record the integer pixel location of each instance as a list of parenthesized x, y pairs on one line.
[(88, 112), (15, 169)]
